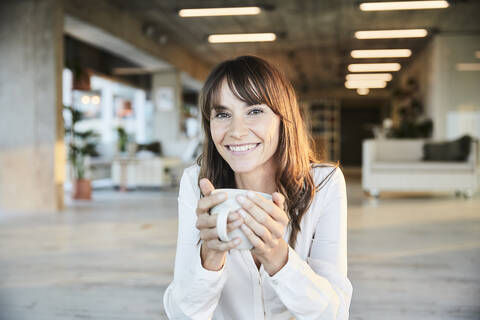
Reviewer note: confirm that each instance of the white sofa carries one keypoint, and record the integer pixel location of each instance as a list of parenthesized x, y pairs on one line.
[(396, 165)]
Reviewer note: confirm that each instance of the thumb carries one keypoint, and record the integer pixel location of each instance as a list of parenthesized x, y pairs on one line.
[(206, 186), (278, 199)]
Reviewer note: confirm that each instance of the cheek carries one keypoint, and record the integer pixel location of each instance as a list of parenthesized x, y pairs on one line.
[(217, 131), (274, 132)]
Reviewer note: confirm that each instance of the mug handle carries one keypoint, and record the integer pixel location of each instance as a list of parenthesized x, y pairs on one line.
[(222, 218)]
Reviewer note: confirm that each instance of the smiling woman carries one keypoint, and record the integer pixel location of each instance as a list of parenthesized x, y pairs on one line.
[(256, 141)]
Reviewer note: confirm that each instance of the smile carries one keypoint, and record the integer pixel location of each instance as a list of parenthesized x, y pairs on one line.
[(242, 148)]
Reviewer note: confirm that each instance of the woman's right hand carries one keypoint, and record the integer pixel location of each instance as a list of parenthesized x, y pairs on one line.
[(213, 250)]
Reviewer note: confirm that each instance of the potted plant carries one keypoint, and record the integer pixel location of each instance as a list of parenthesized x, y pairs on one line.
[(81, 145), (122, 140)]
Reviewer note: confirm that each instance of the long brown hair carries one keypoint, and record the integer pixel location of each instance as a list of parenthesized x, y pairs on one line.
[(255, 81)]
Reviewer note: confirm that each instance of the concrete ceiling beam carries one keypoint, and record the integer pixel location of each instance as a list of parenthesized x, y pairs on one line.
[(120, 30)]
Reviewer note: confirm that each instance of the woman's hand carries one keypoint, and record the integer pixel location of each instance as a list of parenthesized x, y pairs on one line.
[(213, 250), (264, 225)]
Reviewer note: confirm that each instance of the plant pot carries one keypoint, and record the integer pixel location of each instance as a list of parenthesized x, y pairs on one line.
[(82, 189)]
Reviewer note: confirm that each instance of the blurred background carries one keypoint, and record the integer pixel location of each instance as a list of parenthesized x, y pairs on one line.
[(99, 117)]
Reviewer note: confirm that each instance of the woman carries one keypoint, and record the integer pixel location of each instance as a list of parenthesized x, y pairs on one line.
[(255, 139)]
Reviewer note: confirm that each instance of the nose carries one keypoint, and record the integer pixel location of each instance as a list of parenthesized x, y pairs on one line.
[(238, 128)]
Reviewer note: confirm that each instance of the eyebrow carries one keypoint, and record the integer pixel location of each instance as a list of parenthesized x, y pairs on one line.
[(219, 107)]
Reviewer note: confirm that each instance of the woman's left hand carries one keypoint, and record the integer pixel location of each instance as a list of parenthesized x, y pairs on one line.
[(264, 225)]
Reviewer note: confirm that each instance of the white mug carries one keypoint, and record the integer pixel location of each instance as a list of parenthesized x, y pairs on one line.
[(222, 211)]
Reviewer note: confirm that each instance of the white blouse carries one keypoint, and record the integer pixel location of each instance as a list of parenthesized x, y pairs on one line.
[(312, 285)]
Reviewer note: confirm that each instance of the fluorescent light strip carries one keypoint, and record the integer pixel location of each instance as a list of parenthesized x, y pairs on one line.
[(241, 37), (208, 12), (468, 66), (477, 54), (384, 53), (363, 91), (365, 84), (403, 5), (369, 76), (373, 67), (390, 34)]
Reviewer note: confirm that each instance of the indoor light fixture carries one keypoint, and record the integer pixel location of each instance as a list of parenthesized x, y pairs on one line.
[(468, 66), (241, 37), (369, 76), (355, 84), (85, 99), (383, 53), (363, 91), (95, 99), (403, 5), (389, 34), (208, 12), (374, 67)]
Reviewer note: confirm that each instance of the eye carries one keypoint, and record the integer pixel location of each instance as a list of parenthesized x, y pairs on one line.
[(255, 111), (221, 115)]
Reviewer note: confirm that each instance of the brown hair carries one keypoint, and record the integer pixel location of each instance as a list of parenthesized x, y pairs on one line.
[(255, 81)]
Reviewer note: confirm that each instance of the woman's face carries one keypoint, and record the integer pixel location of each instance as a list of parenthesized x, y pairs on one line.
[(245, 136)]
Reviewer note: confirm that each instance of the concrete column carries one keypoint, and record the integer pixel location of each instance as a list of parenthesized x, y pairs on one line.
[(32, 153), (167, 100)]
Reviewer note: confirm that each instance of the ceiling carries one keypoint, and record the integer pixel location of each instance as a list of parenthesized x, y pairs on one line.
[(316, 36)]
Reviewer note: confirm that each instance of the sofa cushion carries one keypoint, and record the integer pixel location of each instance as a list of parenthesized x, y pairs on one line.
[(457, 150), (421, 166)]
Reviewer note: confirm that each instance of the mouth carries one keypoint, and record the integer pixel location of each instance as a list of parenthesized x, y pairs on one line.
[(242, 148)]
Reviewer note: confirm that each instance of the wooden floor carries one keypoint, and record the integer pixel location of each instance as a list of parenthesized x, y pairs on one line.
[(410, 257)]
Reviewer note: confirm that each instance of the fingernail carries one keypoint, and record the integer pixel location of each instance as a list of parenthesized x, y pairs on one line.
[(241, 199), (242, 212), (237, 241), (251, 194)]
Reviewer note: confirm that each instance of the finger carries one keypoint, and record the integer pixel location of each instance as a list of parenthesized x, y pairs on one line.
[(208, 234), (278, 199), (218, 245), (260, 230), (206, 186), (261, 219), (256, 242), (205, 220), (234, 225), (207, 202), (273, 209)]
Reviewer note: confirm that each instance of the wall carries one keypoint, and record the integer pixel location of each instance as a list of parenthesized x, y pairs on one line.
[(451, 97), (454, 93)]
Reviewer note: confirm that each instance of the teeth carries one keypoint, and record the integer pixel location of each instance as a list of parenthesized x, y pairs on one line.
[(242, 148)]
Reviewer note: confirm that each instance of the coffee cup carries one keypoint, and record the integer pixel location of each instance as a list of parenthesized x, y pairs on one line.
[(223, 210)]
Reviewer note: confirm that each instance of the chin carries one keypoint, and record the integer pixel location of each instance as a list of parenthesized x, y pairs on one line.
[(242, 167)]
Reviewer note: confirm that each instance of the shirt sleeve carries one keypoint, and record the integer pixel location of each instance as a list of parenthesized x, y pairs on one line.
[(319, 288), (195, 291)]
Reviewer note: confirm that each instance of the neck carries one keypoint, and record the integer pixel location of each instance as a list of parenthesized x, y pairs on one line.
[(260, 180)]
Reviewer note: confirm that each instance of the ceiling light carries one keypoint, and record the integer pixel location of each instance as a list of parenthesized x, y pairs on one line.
[(403, 5), (374, 67), (369, 76), (85, 99), (95, 99), (355, 84), (389, 34), (207, 12), (477, 54), (241, 37), (468, 66), (384, 53), (363, 91)]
